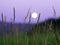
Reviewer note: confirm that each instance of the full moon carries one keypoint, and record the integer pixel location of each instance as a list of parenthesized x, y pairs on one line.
[(34, 15)]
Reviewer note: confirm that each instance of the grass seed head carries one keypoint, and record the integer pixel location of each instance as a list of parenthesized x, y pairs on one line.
[(54, 11), (27, 14), (2, 16), (14, 13)]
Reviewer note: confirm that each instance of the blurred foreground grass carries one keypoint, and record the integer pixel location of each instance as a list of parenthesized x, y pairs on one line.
[(24, 39)]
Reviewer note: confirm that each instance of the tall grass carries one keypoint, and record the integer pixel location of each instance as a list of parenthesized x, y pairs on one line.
[(37, 30), (54, 11), (55, 31), (3, 29), (14, 14), (36, 38), (27, 14)]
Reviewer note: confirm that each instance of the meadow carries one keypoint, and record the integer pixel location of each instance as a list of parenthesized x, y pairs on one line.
[(43, 38), (45, 34)]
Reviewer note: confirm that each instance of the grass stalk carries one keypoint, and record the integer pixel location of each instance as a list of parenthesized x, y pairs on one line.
[(6, 39), (37, 28), (3, 30), (56, 36), (15, 30), (28, 22), (54, 11), (27, 14), (38, 23), (14, 14), (17, 35), (29, 25)]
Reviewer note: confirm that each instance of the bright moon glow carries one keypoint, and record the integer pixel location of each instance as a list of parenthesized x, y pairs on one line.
[(34, 15)]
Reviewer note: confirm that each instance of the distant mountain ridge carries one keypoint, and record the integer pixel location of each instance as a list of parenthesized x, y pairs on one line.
[(55, 23), (26, 27)]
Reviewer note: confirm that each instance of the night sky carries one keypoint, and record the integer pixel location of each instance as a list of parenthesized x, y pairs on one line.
[(45, 7)]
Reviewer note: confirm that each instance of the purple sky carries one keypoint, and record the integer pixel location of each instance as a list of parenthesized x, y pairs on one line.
[(40, 6)]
